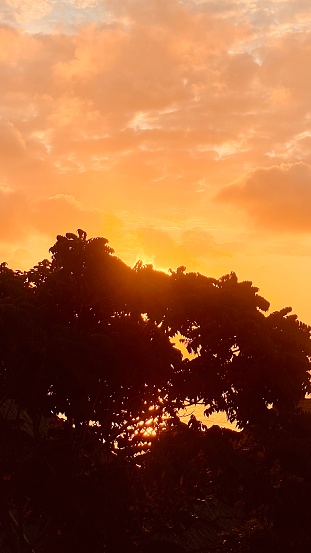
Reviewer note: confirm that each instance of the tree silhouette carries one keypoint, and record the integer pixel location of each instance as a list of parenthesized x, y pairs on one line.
[(105, 361), (90, 338), (251, 365), (87, 336)]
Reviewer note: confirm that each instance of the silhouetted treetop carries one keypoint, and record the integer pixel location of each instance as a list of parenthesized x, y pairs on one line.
[(100, 345), (85, 335)]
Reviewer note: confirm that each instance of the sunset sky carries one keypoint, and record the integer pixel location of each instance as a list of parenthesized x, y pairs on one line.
[(178, 129)]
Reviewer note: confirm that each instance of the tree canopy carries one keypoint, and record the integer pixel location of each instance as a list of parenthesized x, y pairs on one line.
[(86, 336)]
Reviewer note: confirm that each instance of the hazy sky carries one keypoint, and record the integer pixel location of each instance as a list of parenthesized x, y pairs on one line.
[(178, 129)]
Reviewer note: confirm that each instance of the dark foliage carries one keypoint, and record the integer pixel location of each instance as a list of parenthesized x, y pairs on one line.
[(89, 337)]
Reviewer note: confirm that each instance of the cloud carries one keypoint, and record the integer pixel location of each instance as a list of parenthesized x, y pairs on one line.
[(165, 77), (24, 11), (151, 108), (193, 248), (12, 143), (59, 213), (20, 216), (83, 4), (277, 197)]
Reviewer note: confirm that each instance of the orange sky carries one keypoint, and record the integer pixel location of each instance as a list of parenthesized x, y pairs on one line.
[(178, 129)]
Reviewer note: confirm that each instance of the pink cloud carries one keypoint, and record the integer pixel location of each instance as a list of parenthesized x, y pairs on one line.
[(19, 216), (277, 197)]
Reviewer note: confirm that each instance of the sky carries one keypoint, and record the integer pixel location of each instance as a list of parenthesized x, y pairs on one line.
[(178, 129)]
